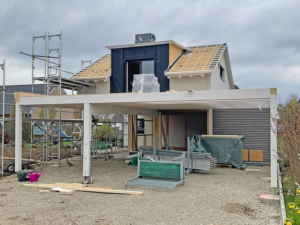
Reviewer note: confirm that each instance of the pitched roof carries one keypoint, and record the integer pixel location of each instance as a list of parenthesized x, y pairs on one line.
[(101, 68), (9, 95), (197, 59)]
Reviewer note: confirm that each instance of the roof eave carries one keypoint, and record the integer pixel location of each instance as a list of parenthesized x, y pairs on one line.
[(188, 73), (100, 78), (147, 44)]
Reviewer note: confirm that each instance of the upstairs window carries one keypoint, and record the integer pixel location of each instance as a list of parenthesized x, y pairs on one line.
[(222, 73)]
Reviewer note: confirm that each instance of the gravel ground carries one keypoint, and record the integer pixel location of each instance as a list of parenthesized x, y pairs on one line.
[(222, 196)]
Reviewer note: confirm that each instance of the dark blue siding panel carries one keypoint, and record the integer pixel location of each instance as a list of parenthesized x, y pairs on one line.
[(159, 53), (117, 79)]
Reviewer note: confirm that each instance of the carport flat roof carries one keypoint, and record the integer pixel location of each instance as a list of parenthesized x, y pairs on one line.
[(210, 99)]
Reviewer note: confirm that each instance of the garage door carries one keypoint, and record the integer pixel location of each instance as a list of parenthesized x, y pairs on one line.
[(254, 124)]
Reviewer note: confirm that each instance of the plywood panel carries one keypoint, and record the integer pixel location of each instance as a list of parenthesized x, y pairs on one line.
[(256, 155), (245, 154)]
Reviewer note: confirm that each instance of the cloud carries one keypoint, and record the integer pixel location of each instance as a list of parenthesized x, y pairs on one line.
[(263, 36)]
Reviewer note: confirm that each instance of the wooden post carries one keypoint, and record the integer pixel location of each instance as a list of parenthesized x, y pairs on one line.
[(135, 140), (160, 130), (207, 122), (153, 130), (185, 132), (130, 134), (145, 141)]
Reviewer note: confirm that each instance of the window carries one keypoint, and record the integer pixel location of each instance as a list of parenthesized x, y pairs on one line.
[(141, 126), (222, 73), (137, 67)]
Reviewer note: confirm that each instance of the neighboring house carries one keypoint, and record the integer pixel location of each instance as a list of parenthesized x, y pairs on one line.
[(9, 96), (66, 113)]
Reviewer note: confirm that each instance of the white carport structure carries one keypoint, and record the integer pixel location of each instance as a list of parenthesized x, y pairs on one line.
[(150, 104)]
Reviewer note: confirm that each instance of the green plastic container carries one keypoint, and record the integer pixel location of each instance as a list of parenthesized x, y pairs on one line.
[(134, 161)]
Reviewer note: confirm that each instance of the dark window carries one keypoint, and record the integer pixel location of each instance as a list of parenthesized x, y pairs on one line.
[(141, 126), (222, 73)]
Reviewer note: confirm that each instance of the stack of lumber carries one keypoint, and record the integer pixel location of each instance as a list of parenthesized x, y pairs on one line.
[(84, 187)]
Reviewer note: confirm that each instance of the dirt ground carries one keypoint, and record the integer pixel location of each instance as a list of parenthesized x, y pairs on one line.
[(223, 196), (36, 154)]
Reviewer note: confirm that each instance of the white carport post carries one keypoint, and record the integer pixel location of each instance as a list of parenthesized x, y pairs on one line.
[(87, 116), (18, 138), (273, 139)]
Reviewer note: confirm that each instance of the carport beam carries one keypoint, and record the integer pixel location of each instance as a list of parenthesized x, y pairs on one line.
[(87, 141), (18, 138)]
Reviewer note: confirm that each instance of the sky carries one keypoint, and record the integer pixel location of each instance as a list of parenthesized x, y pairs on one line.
[(263, 37)]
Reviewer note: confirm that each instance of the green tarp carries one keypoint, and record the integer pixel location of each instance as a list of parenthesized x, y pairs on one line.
[(225, 150)]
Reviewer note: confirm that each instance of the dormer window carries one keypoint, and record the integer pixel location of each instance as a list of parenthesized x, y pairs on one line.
[(222, 73)]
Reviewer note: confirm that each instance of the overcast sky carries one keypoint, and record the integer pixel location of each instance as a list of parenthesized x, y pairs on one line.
[(263, 37)]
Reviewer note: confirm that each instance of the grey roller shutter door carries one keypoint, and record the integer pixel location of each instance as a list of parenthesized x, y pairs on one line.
[(253, 123)]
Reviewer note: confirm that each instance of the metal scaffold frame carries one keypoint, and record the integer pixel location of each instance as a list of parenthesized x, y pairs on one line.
[(52, 126), (3, 116)]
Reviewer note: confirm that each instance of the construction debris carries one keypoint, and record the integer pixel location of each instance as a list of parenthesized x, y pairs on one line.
[(80, 187)]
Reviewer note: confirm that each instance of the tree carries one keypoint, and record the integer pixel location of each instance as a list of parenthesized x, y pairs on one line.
[(52, 113), (77, 113), (289, 134)]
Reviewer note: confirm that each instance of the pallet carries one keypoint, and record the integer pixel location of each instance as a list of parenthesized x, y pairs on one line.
[(224, 165)]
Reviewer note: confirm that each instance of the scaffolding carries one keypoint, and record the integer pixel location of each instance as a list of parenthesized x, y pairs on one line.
[(52, 127)]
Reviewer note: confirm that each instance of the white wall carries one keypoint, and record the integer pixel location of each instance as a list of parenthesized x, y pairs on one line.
[(197, 83), (176, 130), (101, 86), (216, 82)]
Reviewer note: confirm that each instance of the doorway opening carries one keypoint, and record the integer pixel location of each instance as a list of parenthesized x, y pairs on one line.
[(137, 67)]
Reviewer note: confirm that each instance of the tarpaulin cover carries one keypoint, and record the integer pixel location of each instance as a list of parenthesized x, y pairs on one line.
[(225, 150)]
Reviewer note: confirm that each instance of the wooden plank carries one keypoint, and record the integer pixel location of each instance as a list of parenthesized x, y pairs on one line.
[(96, 189), (99, 188), (256, 155), (130, 137), (66, 192), (245, 155), (40, 185), (224, 165), (221, 136), (252, 170), (44, 191)]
